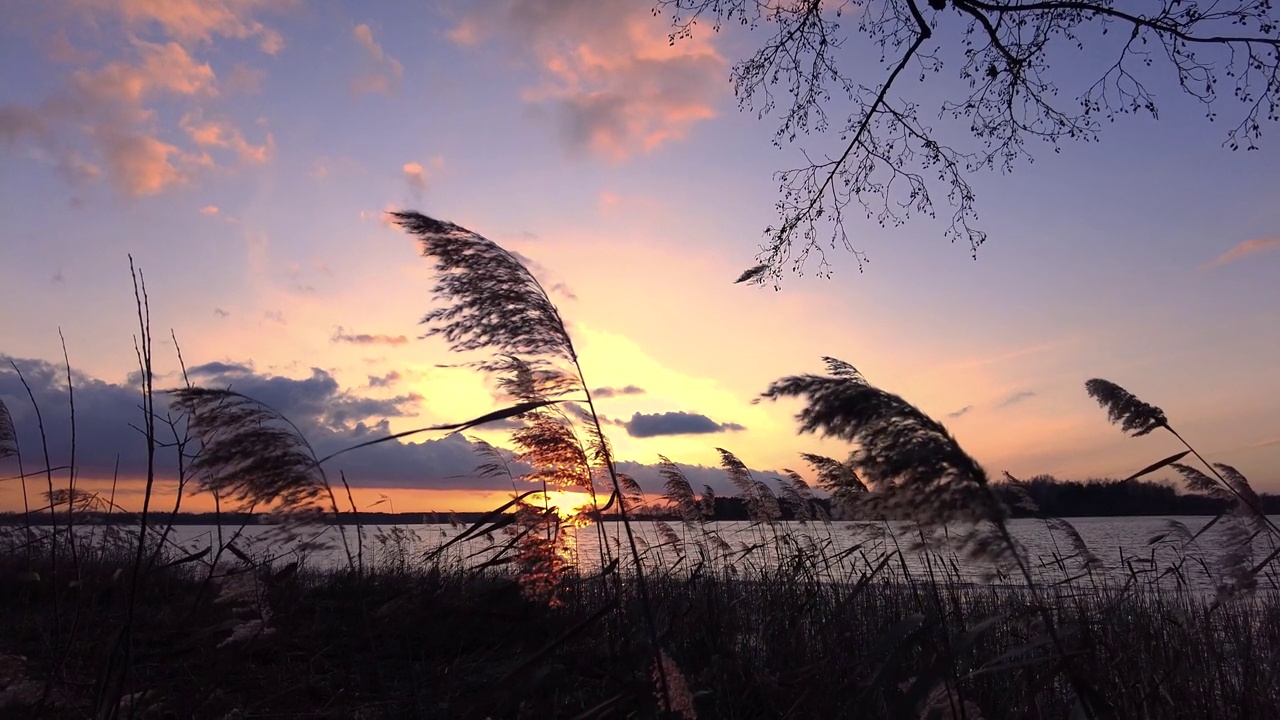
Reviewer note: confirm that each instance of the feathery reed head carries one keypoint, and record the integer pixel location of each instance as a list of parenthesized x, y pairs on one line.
[(491, 299), (250, 452), (837, 478), (762, 504), (907, 456), (8, 436), (678, 491), (1135, 417)]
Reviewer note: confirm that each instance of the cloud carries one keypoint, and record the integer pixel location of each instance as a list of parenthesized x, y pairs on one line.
[(341, 336), (608, 392), (215, 368), (381, 381), (609, 78), (329, 417), (415, 176), (1245, 249), (382, 72), (564, 291), (221, 313), (274, 316), (209, 210), (104, 121), (383, 216), (1015, 398), (195, 22), (675, 423), (225, 135), (961, 412)]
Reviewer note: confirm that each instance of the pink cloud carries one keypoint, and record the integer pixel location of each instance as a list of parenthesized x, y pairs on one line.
[(1246, 248), (418, 176), (198, 21), (163, 68), (103, 121), (223, 134), (209, 210), (383, 73), (612, 81), (143, 165)]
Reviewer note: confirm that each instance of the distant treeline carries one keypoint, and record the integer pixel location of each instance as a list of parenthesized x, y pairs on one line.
[(1056, 498), (1060, 498)]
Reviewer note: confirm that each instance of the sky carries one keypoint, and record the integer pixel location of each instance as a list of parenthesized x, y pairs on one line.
[(244, 153)]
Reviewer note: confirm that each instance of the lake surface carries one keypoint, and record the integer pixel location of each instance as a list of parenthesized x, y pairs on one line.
[(1123, 547)]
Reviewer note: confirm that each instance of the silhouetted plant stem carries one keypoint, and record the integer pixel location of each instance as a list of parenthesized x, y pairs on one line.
[(53, 516), (641, 584), (1246, 501)]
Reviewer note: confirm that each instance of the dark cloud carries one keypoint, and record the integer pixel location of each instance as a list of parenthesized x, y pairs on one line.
[(220, 312), (220, 368), (675, 423), (274, 315), (564, 291), (608, 392), (961, 412), (376, 381), (1015, 398), (342, 335), (329, 417)]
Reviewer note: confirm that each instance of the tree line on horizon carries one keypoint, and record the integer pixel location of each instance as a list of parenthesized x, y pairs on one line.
[(1095, 497)]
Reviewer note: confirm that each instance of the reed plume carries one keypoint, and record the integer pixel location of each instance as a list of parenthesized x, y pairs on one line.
[(493, 301), (678, 491), (762, 504), (1134, 416), (250, 453), (838, 479), (798, 496), (914, 464), (8, 436)]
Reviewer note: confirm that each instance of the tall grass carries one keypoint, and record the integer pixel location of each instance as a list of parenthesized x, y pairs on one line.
[(774, 619)]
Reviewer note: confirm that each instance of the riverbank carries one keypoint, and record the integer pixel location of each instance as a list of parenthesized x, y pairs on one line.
[(434, 640)]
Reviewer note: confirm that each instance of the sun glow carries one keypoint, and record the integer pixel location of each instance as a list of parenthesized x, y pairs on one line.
[(566, 503)]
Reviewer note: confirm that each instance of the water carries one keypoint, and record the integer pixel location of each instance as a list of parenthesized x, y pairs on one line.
[(1122, 545)]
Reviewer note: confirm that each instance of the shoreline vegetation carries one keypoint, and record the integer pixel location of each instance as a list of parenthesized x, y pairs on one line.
[(120, 622)]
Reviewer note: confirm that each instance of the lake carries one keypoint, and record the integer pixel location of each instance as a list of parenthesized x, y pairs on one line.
[(1123, 546)]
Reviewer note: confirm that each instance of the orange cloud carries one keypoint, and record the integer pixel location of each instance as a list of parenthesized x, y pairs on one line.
[(222, 134), (142, 165), (384, 72), (209, 210), (417, 176), (614, 83), (1246, 248), (104, 121), (198, 21), (163, 68)]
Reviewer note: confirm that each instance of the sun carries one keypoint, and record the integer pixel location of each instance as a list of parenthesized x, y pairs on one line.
[(567, 503)]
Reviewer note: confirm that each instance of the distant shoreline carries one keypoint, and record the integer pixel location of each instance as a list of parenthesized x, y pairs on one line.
[(12, 519)]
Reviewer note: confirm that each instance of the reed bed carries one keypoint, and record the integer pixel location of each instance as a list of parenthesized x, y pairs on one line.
[(257, 639)]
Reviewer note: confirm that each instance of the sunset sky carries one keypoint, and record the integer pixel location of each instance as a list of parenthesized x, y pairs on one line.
[(244, 152)]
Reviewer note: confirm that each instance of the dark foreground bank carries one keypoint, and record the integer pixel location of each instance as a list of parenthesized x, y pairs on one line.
[(272, 641)]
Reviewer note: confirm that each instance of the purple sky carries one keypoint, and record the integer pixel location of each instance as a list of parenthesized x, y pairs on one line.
[(244, 152)]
